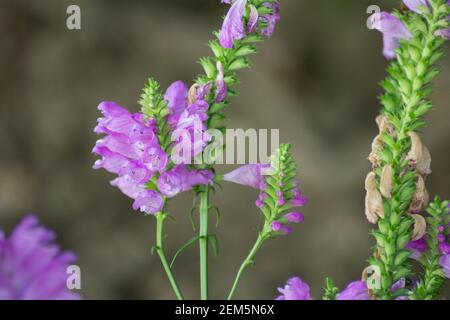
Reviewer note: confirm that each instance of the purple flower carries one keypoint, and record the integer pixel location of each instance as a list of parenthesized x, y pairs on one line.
[(277, 226), (444, 261), (176, 97), (393, 31), (271, 19), (356, 290), (148, 201), (417, 248), (131, 150), (417, 6), (249, 175), (188, 115), (295, 289), (233, 26), (294, 217), (32, 267), (180, 179)]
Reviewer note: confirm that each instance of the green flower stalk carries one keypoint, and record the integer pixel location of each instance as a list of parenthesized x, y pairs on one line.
[(395, 188), (221, 70), (279, 195)]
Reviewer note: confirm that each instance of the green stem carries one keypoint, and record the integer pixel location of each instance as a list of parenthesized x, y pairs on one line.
[(203, 240), (160, 217), (247, 262)]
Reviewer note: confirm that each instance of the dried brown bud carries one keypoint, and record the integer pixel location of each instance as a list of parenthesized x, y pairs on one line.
[(377, 146), (386, 181), (374, 201), (419, 156), (384, 125), (421, 198), (420, 227), (192, 94)]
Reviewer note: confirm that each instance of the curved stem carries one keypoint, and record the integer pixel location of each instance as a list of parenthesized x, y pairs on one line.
[(248, 261), (203, 240), (160, 217)]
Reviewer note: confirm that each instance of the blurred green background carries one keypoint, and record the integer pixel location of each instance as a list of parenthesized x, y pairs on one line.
[(315, 80)]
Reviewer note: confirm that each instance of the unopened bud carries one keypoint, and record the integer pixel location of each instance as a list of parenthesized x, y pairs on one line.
[(373, 201)]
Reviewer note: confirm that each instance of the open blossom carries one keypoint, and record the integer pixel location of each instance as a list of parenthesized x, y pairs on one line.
[(188, 115), (180, 179), (356, 290), (32, 267), (295, 289), (233, 27), (251, 175), (393, 30)]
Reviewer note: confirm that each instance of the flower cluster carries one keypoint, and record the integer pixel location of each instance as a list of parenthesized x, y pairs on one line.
[(131, 150), (242, 20), (32, 267), (394, 29)]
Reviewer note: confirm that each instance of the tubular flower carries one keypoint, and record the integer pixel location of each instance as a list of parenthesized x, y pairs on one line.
[(32, 266), (356, 290), (279, 192), (295, 289), (188, 115), (234, 27), (393, 30), (130, 150)]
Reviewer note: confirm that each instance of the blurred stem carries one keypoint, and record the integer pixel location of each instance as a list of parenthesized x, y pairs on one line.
[(247, 262), (203, 240), (160, 217)]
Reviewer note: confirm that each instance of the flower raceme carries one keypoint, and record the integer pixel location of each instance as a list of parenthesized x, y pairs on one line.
[(32, 267), (279, 192), (394, 29), (420, 246)]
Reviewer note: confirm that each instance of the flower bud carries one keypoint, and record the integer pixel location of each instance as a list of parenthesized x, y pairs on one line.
[(419, 156), (386, 181), (373, 201), (377, 146), (421, 197), (384, 125), (420, 227)]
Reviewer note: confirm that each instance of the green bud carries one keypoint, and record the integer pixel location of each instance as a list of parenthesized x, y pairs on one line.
[(239, 63), (209, 67)]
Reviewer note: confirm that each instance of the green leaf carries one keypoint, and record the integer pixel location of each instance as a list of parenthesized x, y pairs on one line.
[(182, 248), (212, 238)]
